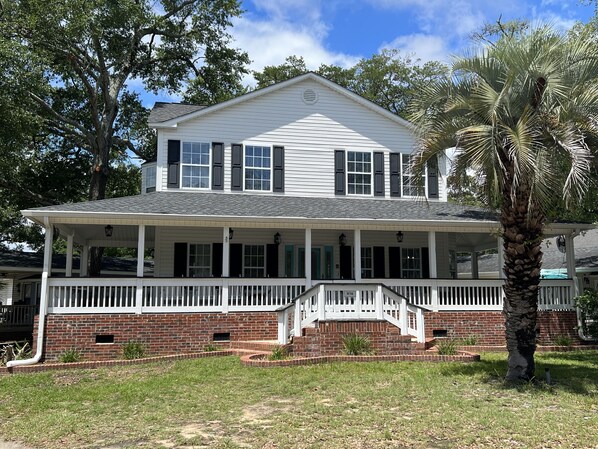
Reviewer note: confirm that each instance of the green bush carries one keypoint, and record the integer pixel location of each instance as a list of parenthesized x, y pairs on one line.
[(133, 350), (279, 353), (588, 306), (563, 340), (70, 356), (470, 340), (446, 346), (211, 348), (357, 345)]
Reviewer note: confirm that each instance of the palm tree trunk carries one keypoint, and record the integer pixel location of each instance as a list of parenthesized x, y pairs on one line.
[(522, 239)]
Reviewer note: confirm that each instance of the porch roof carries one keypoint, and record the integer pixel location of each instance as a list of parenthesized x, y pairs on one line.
[(239, 206)]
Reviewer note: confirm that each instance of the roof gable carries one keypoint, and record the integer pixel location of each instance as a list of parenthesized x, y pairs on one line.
[(185, 115)]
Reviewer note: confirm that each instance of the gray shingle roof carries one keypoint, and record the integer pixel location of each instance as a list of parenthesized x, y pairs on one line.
[(162, 112), (251, 205)]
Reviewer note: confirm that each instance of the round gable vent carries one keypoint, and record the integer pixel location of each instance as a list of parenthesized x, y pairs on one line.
[(309, 96)]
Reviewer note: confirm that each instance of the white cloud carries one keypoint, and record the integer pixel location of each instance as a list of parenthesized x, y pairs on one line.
[(426, 47)]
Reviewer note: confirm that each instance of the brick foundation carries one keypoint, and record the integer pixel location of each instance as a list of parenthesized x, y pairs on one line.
[(176, 333), (161, 334), (489, 327), (326, 338)]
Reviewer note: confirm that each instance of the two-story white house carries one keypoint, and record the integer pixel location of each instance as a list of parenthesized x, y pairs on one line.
[(253, 202)]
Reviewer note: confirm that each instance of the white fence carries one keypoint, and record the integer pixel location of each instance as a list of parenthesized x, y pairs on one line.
[(330, 302), (151, 295)]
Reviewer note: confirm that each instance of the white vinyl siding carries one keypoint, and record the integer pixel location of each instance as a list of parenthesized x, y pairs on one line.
[(195, 165), (308, 133)]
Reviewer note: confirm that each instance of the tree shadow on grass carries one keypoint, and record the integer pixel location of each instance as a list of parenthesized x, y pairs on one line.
[(574, 372)]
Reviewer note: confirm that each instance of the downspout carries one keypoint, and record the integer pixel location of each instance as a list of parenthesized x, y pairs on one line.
[(43, 303), (580, 333)]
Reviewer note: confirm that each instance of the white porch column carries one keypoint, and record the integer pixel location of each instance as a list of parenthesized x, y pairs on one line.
[(501, 259), (307, 258), (225, 267), (47, 269), (357, 254), (570, 256), (83, 261), (475, 270), (140, 250), (432, 253), (225, 252), (69, 256)]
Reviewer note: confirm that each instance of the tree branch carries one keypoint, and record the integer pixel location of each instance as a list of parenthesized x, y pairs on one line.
[(18, 188)]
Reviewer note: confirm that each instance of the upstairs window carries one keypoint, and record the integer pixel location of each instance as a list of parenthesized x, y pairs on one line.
[(410, 184), (258, 168), (196, 165), (359, 173), (150, 178)]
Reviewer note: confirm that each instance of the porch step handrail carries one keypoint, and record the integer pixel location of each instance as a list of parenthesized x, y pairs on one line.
[(350, 301)]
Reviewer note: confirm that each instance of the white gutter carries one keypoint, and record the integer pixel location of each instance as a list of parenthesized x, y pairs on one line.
[(43, 305)]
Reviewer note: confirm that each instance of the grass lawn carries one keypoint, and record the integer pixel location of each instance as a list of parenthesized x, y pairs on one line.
[(216, 402)]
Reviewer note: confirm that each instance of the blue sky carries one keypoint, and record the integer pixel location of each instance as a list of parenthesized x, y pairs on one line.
[(343, 31)]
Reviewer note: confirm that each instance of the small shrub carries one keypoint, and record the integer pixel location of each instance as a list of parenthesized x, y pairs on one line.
[(279, 353), (133, 350), (470, 340), (447, 346), (588, 306), (211, 348), (357, 345), (563, 340), (70, 356)]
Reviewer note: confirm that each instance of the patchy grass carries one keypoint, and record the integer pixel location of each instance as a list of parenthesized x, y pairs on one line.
[(216, 402)]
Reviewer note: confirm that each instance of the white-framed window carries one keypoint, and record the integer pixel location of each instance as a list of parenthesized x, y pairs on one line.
[(150, 178), (367, 263), (254, 261), (359, 172), (258, 167), (411, 263), (195, 165), (200, 260), (409, 184)]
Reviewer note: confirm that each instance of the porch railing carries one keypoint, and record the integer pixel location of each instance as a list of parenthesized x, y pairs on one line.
[(154, 295), (333, 302), (17, 316)]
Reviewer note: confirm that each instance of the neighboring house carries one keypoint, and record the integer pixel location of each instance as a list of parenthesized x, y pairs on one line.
[(254, 201)]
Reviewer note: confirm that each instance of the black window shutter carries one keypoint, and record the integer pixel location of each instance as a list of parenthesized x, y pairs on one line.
[(272, 260), (174, 158), (236, 167), (217, 260), (425, 263), (339, 172), (278, 165), (395, 174), (180, 260), (379, 265), (433, 177), (217, 166), (346, 263), (236, 260), (378, 174), (394, 262)]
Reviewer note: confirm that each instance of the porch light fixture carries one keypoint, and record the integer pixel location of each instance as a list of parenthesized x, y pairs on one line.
[(342, 239), (277, 238), (108, 230), (400, 236), (231, 232)]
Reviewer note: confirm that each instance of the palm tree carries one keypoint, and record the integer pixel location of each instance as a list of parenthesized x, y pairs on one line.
[(520, 113)]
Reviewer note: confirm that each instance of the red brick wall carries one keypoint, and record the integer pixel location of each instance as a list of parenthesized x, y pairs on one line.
[(489, 327), (162, 334), (175, 333), (326, 338)]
